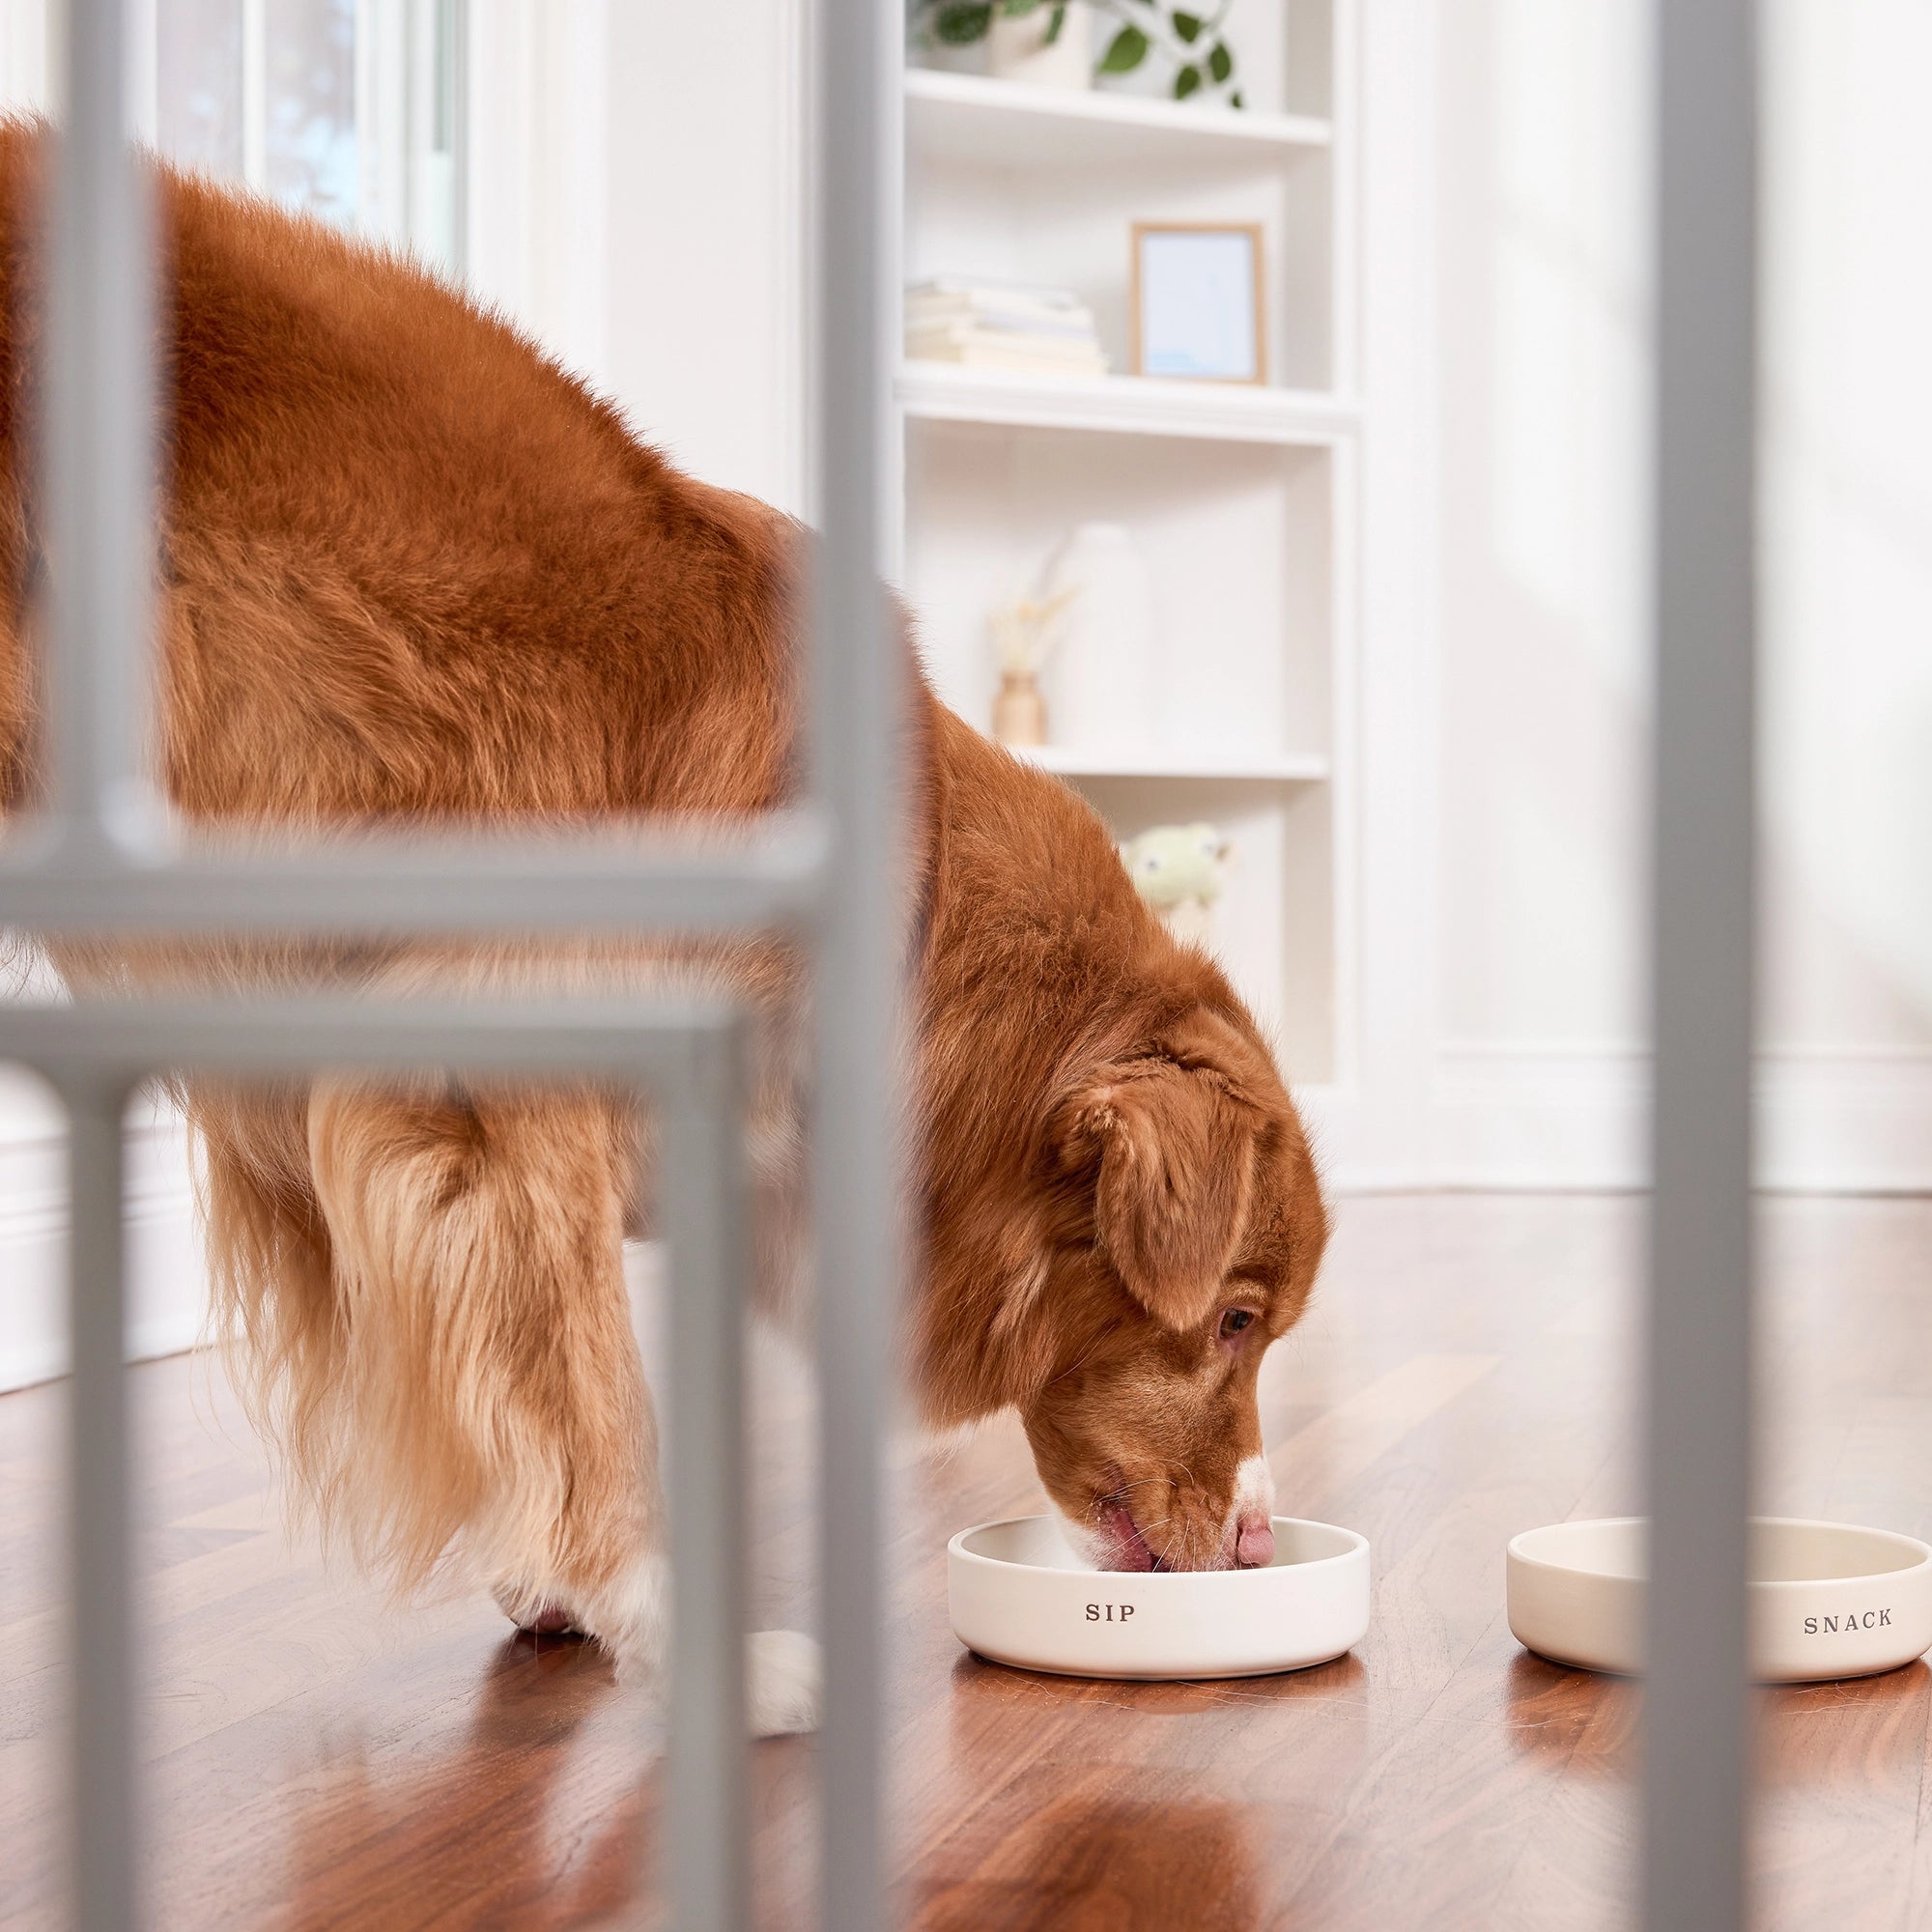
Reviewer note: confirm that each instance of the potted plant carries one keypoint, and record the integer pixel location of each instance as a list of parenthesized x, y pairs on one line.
[(1181, 50)]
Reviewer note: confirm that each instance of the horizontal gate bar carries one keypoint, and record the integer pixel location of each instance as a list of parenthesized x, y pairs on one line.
[(659, 1043), (383, 885)]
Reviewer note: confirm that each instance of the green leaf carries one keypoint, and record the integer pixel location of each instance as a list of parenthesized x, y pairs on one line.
[(1234, 100), (1187, 26), (1187, 81), (1017, 10), (1124, 51), (962, 23), (1220, 62), (1054, 25)]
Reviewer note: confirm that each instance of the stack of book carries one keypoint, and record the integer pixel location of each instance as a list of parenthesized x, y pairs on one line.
[(998, 326)]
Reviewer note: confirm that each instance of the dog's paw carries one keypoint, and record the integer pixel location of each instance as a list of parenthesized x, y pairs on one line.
[(628, 1615), (534, 1613), (785, 1682)]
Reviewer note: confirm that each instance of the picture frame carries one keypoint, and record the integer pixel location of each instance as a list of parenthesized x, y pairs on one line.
[(1196, 309)]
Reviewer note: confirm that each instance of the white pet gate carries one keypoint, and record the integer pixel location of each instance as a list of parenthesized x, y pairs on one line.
[(104, 859)]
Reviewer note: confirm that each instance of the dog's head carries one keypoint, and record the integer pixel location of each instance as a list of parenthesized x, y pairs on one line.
[(1187, 1228)]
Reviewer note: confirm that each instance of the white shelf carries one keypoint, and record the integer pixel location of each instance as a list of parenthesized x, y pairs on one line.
[(1284, 767), (1127, 405), (1009, 124), (1239, 499)]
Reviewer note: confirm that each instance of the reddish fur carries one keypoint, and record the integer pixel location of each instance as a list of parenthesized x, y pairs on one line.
[(412, 571)]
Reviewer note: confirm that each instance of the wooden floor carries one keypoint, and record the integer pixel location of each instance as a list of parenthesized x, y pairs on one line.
[(316, 1762)]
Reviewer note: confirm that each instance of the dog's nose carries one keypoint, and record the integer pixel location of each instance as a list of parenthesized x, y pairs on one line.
[(1254, 1546)]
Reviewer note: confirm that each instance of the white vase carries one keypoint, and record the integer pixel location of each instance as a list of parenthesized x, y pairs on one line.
[(1017, 50), (1101, 676)]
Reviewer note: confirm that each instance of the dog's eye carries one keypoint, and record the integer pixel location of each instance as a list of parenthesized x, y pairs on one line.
[(1234, 1321)]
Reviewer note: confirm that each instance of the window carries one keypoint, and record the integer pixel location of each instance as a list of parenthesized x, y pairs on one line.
[(350, 110)]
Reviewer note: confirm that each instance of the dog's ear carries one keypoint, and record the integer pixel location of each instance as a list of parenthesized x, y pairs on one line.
[(1170, 1144)]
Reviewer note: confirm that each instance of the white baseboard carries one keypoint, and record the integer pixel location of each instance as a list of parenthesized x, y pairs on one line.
[(1846, 1122), (1829, 1122), (1508, 1117)]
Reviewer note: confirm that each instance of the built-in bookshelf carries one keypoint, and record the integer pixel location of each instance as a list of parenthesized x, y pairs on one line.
[(1239, 499)]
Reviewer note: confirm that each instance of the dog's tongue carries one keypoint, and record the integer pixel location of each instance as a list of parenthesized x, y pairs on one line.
[(1130, 1550)]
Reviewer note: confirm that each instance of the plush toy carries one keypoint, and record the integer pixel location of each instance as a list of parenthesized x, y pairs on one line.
[(1178, 871)]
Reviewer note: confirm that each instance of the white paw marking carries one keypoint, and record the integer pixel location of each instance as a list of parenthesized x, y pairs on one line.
[(784, 1683), (631, 1617)]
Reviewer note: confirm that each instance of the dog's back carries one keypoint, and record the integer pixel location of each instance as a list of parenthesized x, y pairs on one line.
[(407, 565)]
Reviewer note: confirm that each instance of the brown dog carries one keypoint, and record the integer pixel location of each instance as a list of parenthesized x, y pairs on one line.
[(411, 572)]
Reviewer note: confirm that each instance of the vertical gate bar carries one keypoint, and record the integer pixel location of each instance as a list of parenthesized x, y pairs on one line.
[(454, 22), (101, 1814), (858, 720), (1696, 1709), (96, 454), (704, 1206)]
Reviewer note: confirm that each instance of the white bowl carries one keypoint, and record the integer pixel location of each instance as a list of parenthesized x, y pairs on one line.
[(1019, 1595), (1827, 1600)]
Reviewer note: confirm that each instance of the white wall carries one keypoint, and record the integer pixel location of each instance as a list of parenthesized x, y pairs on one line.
[(1542, 362), (1848, 509), (1848, 588), (1543, 315), (704, 344)]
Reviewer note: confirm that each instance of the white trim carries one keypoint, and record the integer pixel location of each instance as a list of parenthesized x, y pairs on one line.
[(1259, 768), (1536, 1116), (144, 67), (384, 77), (537, 169), (1025, 125), (1369, 1123), (795, 161), (28, 57), (1126, 405), (1345, 235), (1557, 1116), (255, 94), (1845, 1121)]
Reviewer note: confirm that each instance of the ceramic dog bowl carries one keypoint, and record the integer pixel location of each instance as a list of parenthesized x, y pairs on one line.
[(1827, 1600), (1019, 1595)]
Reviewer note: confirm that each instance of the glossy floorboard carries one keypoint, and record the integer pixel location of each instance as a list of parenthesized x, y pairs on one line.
[(316, 1762)]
